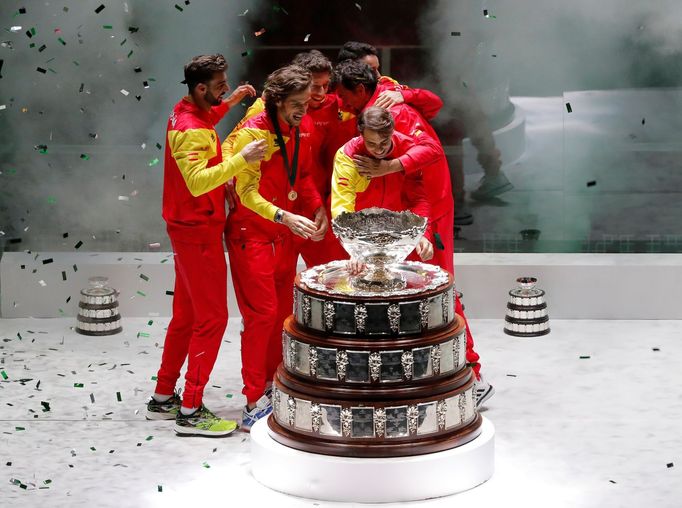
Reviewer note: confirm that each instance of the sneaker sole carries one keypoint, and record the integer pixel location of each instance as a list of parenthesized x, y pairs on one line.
[(185, 432), (159, 416), (486, 396), (492, 193)]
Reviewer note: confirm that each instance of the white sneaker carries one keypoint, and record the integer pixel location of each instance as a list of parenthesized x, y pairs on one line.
[(482, 392), (261, 410)]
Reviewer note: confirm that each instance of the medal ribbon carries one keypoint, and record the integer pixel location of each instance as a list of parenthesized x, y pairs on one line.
[(290, 169)]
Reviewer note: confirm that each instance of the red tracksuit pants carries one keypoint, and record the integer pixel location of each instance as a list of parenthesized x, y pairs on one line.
[(199, 319), (263, 275), (443, 227)]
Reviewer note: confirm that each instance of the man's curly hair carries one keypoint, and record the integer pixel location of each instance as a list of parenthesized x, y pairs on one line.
[(284, 82)]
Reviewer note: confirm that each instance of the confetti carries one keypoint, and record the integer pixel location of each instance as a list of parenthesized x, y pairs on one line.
[(243, 13), (63, 275), (77, 246), (611, 481), (100, 8), (643, 121), (592, 183), (40, 69), (159, 488), (149, 438), (569, 108), (358, 6), (78, 385), (154, 245), (259, 32), (305, 39), (170, 293), (118, 397), (455, 34), (670, 464), (123, 198), (178, 7), (108, 27), (92, 398), (4, 375), (42, 283), (655, 349), (133, 29), (584, 357), (142, 276), (48, 261), (62, 41), (206, 465), (85, 156), (125, 92), (153, 162), (246, 53), (140, 293), (228, 395)]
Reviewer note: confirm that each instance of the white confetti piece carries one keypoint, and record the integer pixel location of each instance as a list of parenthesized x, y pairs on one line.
[(305, 39), (154, 245), (42, 282), (123, 198), (3, 106), (15, 29), (125, 92)]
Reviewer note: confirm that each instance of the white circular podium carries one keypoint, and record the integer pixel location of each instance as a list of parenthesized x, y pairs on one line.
[(362, 480)]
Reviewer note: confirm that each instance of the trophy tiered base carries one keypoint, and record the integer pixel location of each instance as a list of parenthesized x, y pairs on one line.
[(374, 386)]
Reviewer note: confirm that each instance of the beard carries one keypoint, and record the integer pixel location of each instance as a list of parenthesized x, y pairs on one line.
[(212, 99)]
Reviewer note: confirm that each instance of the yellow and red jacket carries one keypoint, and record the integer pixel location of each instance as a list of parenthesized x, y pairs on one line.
[(324, 120), (427, 103), (352, 192), (195, 173), (436, 175), (263, 186)]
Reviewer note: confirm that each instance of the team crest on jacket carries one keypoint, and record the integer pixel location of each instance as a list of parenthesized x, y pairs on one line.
[(212, 137), (173, 119)]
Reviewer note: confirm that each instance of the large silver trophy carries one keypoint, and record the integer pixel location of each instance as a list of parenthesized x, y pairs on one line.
[(381, 239)]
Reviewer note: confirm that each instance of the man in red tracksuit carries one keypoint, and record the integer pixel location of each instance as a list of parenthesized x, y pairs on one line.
[(277, 200), (357, 89), (194, 211), (397, 191)]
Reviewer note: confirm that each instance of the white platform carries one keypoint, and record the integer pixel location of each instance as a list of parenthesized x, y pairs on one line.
[(578, 286), (382, 480)]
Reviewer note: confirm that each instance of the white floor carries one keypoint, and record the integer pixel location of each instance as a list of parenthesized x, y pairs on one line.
[(571, 431)]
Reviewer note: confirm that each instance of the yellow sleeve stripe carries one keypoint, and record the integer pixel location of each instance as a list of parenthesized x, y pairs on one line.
[(346, 183), (228, 144), (192, 150), (249, 179)]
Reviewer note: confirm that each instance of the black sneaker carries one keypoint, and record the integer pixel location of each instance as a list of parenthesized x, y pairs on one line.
[(203, 423), (163, 410)]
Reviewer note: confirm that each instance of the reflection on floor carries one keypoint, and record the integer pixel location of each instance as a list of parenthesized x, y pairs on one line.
[(603, 178), (588, 416)]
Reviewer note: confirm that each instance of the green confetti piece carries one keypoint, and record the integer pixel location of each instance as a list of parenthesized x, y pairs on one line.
[(85, 156), (228, 395), (178, 7), (76, 63), (51, 200), (107, 27), (130, 54), (153, 162), (61, 312), (33, 31), (142, 334), (47, 482), (159, 488), (4, 375), (206, 465), (46, 406), (164, 260), (93, 448), (150, 322), (118, 397), (141, 293), (19, 428), (78, 385), (124, 41), (158, 145), (149, 438), (144, 277), (62, 41), (154, 378)]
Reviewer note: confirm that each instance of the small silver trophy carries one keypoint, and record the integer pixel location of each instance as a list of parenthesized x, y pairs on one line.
[(98, 309), (526, 310), (381, 239)]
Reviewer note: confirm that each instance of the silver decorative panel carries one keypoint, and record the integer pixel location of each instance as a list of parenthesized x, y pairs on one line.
[(302, 357), (435, 312), (427, 422), (452, 418), (330, 420), (316, 314), (447, 358), (304, 419)]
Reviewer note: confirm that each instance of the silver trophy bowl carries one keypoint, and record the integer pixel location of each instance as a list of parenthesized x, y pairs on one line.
[(379, 238)]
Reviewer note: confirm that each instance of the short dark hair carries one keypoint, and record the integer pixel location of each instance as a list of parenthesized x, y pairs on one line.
[(314, 61), (285, 81), (201, 69), (353, 50), (376, 119), (351, 73)]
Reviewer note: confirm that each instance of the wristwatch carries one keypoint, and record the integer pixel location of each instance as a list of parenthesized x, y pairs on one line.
[(279, 215)]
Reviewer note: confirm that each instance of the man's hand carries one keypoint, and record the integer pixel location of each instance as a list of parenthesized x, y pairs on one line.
[(374, 168), (321, 223), (241, 92), (231, 194), (355, 266), (254, 151), (389, 98), (424, 249), (299, 225)]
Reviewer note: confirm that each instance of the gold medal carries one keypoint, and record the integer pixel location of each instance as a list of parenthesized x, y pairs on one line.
[(292, 195)]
